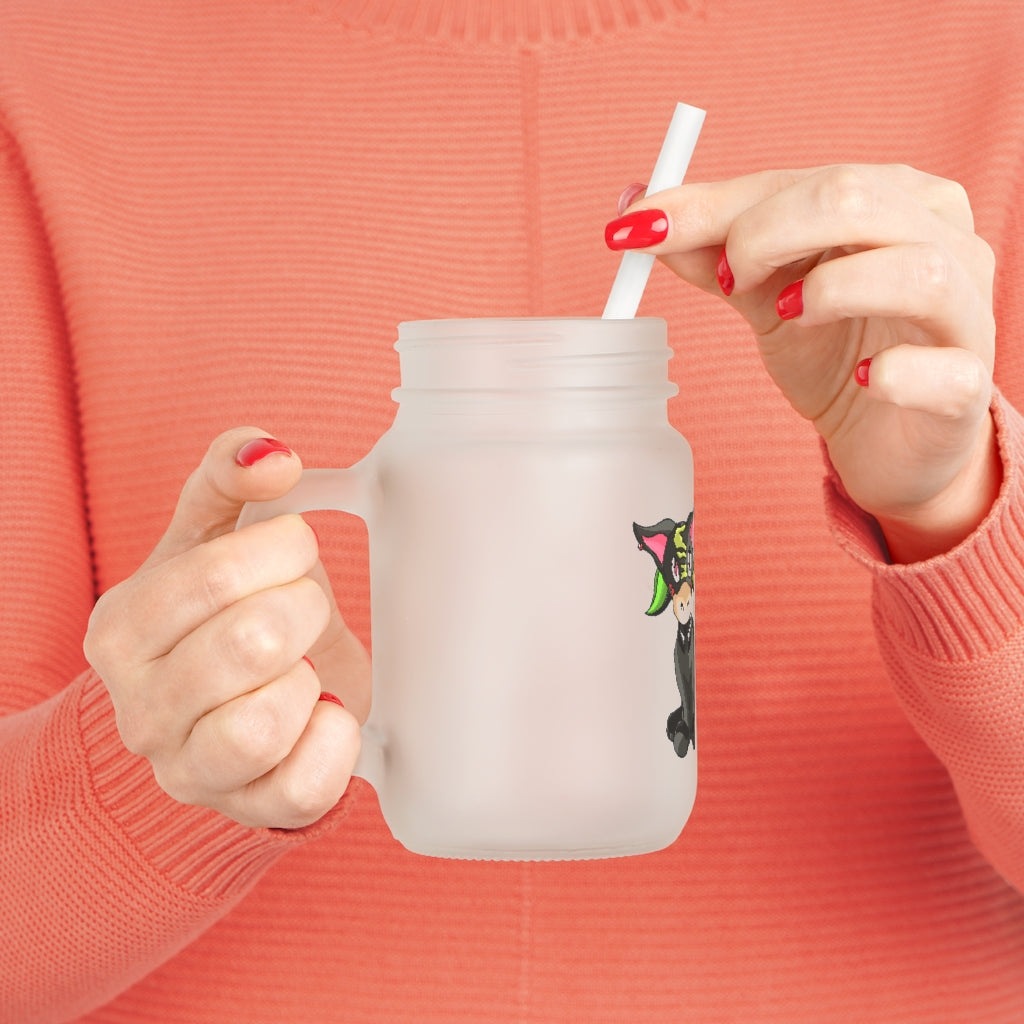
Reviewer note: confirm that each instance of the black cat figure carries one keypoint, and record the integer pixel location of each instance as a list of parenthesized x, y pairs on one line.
[(670, 544)]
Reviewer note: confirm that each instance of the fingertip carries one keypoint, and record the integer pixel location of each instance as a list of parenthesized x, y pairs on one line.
[(629, 195), (641, 229), (260, 448), (252, 465), (862, 372), (790, 303), (723, 272), (241, 465), (334, 726), (248, 459)]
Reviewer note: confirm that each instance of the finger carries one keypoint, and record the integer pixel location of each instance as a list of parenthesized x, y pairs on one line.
[(920, 283), (243, 739), (172, 598), (947, 199), (214, 494), (248, 645), (838, 208), (698, 267), (238, 651), (310, 780), (951, 385), (701, 215), (340, 658)]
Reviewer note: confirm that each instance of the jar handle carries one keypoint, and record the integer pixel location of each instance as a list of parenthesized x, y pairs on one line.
[(340, 490)]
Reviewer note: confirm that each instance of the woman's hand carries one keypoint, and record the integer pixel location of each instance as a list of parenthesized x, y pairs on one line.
[(203, 650), (871, 300)]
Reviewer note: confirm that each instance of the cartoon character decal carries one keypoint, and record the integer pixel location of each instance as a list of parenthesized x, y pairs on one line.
[(670, 544)]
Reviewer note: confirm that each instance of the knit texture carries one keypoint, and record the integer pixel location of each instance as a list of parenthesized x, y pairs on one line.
[(215, 214)]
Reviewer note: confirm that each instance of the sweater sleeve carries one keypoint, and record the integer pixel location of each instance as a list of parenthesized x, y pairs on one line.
[(102, 876), (951, 630)]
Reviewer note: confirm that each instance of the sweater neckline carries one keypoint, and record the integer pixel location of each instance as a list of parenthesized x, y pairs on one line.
[(522, 22)]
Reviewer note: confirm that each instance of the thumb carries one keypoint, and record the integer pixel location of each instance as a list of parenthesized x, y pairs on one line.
[(241, 465)]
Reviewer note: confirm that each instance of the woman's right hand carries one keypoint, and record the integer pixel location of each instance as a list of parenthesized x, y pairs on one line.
[(203, 650), (871, 299)]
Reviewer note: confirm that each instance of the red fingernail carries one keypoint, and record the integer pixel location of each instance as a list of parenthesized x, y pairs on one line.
[(790, 303), (637, 230), (252, 451), (309, 663), (724, 274), (628, 195), (861, 373), (331, 698)]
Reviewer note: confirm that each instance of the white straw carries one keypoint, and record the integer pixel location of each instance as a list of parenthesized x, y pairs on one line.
[(674, 158)]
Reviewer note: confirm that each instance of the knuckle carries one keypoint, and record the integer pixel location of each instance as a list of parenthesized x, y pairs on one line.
[(104, 642), (848, 194), (96, 642), (971, 382), (309, 795), (136, 734), (178, 783), (778, 180), (254, 641), (142, 729), (262, 635), (985, 257), (958, 384), (326, 770), (931, 271), (254, 733), (903, 173), (221, 581), (950, 201), (954, 196)]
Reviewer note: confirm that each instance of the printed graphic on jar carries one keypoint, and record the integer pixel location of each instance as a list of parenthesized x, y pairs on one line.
[(670, 543)]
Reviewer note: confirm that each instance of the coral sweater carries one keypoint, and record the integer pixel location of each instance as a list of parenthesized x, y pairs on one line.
[(214, 213)]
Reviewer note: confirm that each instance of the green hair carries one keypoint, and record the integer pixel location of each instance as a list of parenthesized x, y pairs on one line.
[(662, 595)]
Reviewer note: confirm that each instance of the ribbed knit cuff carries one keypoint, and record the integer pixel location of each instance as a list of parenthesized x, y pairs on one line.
[(964, 603), (194, 848)]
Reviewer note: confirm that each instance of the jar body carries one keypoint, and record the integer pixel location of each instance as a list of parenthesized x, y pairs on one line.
[(523, 681)]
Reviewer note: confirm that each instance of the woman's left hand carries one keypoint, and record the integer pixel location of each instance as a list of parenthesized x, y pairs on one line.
[(870, 297)]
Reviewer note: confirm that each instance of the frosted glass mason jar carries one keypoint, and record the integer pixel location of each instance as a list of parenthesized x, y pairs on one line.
[(530, 519)]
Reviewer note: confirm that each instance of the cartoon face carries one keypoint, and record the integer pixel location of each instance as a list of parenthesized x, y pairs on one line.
[(682, 605)]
